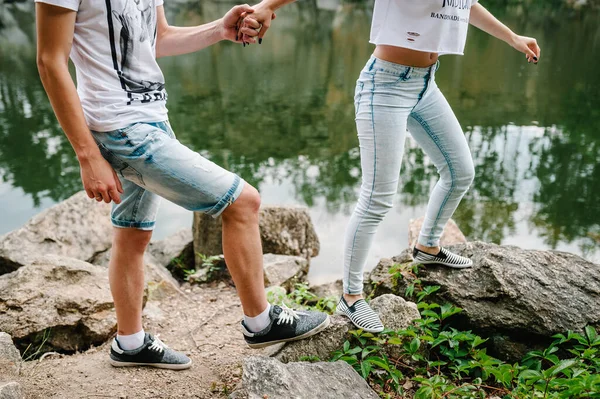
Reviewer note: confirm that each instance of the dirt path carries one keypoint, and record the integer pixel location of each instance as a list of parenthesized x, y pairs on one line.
[(203, 324)]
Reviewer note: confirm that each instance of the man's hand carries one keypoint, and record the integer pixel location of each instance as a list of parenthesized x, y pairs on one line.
[(232, 28), (527, 45), (100, 180)]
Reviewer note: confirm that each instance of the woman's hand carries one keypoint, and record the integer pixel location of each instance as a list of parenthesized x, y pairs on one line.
[(231, 24), (259, 22), (528, 46)]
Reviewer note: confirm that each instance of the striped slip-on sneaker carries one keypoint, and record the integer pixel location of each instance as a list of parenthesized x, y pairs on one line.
[(361, 315), (444, 257)]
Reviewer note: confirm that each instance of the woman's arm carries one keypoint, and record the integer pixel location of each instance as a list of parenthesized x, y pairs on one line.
[(484, 20), (173, 40), (55, 29)]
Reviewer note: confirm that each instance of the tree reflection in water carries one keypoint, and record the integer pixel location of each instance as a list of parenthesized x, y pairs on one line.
[(283, 111)]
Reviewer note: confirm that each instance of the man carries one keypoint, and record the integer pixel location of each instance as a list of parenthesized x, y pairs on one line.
[(117, 123)]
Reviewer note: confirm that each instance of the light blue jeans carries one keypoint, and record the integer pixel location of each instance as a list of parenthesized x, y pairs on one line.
[(389, 99), (151, 163)]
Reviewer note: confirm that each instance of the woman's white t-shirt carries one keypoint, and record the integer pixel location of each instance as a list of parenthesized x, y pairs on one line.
[(119, 81), (435, 26)]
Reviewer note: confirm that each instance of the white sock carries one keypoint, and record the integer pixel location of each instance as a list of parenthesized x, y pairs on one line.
[(130, 342), (260, 322)]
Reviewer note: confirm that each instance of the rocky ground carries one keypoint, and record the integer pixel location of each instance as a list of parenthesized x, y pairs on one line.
[(55, 305), (202, 322)]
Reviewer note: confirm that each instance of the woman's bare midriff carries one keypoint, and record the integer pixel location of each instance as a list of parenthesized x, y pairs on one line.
[(405, 56)]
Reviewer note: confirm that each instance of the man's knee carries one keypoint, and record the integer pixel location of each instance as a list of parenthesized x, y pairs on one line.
[(246, 205), (134, 240)]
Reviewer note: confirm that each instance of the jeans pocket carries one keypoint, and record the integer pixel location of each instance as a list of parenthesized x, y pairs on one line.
[(358, 95), (383, 77), (129, 173)]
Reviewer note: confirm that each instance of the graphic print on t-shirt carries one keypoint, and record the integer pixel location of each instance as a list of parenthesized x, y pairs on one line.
[(132, 25)]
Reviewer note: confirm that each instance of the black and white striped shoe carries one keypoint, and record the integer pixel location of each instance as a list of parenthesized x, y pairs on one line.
[(444, 257), (361, 315)]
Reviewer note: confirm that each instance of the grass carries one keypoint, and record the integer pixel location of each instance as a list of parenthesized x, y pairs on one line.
[(432, 360)]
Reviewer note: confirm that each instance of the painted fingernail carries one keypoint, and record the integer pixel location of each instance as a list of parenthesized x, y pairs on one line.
[(535, 58), (244, 44), (259, 40)]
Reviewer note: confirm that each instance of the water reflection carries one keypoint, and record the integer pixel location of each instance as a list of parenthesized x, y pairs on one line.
[(281, 115)]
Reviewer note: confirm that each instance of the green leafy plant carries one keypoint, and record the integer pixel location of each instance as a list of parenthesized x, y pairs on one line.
[(433, 360), (302, 297)]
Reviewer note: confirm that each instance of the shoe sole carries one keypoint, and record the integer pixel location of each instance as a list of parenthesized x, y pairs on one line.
[(310, 333), (378, 330), (116, 363), (452, 266)]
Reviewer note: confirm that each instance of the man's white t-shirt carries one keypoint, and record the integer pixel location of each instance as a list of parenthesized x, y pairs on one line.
[(114, 51), (435, 26)]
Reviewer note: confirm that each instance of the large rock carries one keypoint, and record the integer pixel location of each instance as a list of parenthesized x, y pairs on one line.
[(283, 230), (178, 247), (279, 270), (451, 235), (57, 303), (519, 298), (328, 289), (10, 358), (154, 271), (284, 270), (10, 390), (395, 313), (78, 228), (268, 378), (380, 281)]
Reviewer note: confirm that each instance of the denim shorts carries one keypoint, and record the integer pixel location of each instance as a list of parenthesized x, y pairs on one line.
[(151, 163)]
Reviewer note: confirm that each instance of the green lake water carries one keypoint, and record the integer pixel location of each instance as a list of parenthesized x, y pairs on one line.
[(281, 115)]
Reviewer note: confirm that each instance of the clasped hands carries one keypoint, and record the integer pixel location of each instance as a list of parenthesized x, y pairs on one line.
[(245, 24)]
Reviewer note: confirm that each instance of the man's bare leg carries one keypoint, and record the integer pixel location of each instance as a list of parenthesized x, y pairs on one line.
[(243, 250), (126, 276)]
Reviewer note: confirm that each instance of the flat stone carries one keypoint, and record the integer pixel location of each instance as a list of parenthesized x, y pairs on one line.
[(451, 235), (519, 298), (284, 231), (10, 358), (78, 228), (11, 390), (268, 378), (178, 247), (57, 303), (284, 270)]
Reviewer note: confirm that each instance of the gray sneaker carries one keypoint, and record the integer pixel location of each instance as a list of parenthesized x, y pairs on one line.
[(153, 353), (286, 325)]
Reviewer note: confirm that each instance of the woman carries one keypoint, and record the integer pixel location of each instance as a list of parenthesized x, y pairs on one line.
[(396, 90)]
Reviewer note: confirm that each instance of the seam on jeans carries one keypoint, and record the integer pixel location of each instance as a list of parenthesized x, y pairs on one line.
[(136, 204), (357, 106), (425, 87), (123, 223), (450, 167), (374, 172), (227, 199)]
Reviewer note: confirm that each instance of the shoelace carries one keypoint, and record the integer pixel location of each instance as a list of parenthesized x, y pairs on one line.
[(287, 315), (157, 345)]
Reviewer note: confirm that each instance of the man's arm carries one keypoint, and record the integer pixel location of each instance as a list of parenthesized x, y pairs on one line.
[(55, 28), (484, 20), (174, 40)]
